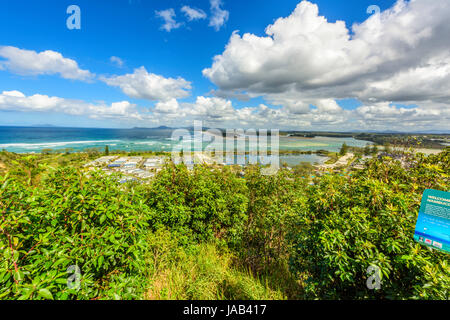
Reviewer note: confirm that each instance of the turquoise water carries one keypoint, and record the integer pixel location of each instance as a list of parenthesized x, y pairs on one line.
[(27, 139), (293, 160), (317, 143)]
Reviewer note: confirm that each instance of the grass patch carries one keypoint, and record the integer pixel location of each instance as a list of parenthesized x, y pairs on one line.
[(201, 272)]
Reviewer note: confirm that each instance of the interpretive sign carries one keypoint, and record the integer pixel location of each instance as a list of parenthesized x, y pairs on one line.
[(433, 223)]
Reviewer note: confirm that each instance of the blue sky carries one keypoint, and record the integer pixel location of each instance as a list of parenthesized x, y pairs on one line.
[(132, 31)]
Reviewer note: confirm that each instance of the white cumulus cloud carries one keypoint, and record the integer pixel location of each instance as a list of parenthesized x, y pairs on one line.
[(170, 106), (29, 62), (150, 86), (398, 56), (17, 101)]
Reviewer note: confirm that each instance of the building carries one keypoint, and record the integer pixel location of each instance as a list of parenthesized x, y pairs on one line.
[(153, 163)]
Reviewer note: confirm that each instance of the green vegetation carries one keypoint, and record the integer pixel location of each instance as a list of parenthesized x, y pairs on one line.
[(303, 169), (405, 140), (368, 219), (344, 149), (210, 234)]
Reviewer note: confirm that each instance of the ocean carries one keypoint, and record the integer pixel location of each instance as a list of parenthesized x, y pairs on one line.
[(36, 139)]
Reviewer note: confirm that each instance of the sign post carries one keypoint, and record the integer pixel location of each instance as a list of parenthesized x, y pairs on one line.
[(433, 223)]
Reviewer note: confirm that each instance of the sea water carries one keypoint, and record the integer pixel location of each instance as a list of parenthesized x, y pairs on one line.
[(36, 139)]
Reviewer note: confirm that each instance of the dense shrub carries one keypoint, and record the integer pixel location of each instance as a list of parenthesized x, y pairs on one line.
[(274, 202), (354, 222), (211, 234), (71, 220), (202, 206)]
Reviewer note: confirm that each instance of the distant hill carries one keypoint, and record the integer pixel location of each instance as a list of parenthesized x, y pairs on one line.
[(158, 128), (433, 132), (44, 126)]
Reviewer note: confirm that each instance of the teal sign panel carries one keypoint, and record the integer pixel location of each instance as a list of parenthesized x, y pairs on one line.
[(433, 223)]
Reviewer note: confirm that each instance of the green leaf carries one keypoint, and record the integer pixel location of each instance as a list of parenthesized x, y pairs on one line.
[(100, 261), (59, 261), (18, 275), (45, 293)]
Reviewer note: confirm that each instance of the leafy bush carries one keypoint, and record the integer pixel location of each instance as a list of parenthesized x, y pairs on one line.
[(71, 220), (202, 206), (273, 205), (210, 234), (352, 223)]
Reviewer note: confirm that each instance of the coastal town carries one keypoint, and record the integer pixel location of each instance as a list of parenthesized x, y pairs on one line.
[(132, 168), (143, 169)]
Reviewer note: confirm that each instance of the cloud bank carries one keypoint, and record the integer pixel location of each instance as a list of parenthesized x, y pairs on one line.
[(400, 56), (17, 101)]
